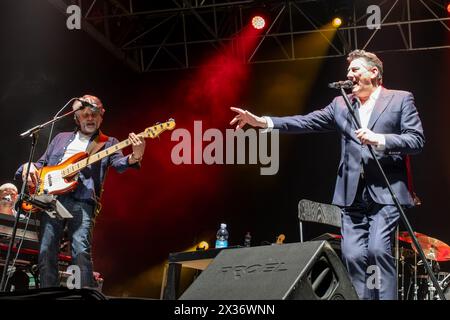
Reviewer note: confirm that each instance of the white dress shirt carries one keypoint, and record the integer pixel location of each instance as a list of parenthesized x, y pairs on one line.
[(365, 111)]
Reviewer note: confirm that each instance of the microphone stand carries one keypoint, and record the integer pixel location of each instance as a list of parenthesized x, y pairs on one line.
[(396, 202), (34, 134)]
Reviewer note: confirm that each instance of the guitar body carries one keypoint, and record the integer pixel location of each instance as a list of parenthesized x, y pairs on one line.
[(52, 180)]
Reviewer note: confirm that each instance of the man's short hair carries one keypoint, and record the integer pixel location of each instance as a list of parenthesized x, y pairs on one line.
[(370, 58)]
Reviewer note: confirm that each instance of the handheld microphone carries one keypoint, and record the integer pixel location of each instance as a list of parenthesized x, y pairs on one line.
[(347, 84)]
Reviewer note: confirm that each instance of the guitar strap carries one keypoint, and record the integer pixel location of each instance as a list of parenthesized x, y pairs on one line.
[(93, 148), (97, 143)]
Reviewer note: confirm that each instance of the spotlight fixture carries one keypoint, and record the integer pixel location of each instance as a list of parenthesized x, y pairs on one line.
[(203, 245), (337, 22), (258, 22)]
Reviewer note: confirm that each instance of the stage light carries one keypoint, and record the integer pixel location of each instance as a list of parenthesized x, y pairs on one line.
[(258, 22), (203, 245), (336, 22), (448, 7)]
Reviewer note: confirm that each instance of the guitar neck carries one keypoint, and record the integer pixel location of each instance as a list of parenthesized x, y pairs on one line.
[(151, 132), (80, 165)]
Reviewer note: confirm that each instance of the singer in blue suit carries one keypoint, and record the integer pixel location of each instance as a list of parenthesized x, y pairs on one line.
[(391, 124)]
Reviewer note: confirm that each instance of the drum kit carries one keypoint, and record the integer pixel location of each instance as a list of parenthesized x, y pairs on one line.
[(414, 282)]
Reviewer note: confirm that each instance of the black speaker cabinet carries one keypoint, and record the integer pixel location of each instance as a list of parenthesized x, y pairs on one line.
[(296, 271)]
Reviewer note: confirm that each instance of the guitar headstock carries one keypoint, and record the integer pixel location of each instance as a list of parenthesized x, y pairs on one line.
[(157, 129)]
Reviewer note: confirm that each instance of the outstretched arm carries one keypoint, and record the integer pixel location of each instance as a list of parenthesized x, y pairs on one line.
[(317, 121)]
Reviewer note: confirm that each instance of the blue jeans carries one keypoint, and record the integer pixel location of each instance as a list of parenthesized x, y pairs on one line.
[(79, 229), (367, 245)]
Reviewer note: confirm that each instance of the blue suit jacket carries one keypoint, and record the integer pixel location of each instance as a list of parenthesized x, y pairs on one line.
[(394, 115)]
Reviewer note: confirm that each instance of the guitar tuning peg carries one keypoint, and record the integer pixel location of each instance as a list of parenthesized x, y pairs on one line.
[(158, 123), (171, 119)]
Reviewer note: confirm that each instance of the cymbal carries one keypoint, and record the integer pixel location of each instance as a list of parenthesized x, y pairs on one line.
[(404, 236), (433, 249)]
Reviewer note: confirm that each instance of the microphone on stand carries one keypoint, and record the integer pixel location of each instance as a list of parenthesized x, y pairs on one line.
[(85, 104), (347, 84)]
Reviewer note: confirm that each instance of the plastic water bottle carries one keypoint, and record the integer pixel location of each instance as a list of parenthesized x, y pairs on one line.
[(222, 236), (247, 239)]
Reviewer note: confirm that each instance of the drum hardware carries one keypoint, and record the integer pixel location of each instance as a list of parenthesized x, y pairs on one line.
[(422, 287), (416, 287), (403, 255), (402, 287)]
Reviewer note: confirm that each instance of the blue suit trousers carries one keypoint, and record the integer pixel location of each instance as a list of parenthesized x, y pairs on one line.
[(368, 231)]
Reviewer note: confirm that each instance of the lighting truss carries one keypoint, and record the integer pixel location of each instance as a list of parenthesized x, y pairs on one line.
[(179, 34)]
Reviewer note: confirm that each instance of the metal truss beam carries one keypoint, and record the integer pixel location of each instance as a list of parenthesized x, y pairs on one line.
[(168, 35)]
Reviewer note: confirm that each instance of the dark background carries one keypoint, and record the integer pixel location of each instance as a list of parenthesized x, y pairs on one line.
[(166, 208)]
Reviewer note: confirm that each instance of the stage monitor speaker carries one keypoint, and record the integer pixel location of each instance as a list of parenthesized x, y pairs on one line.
[(296, 271)]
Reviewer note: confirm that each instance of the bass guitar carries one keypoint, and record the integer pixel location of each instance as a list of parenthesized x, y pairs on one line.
[(62, 178)]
